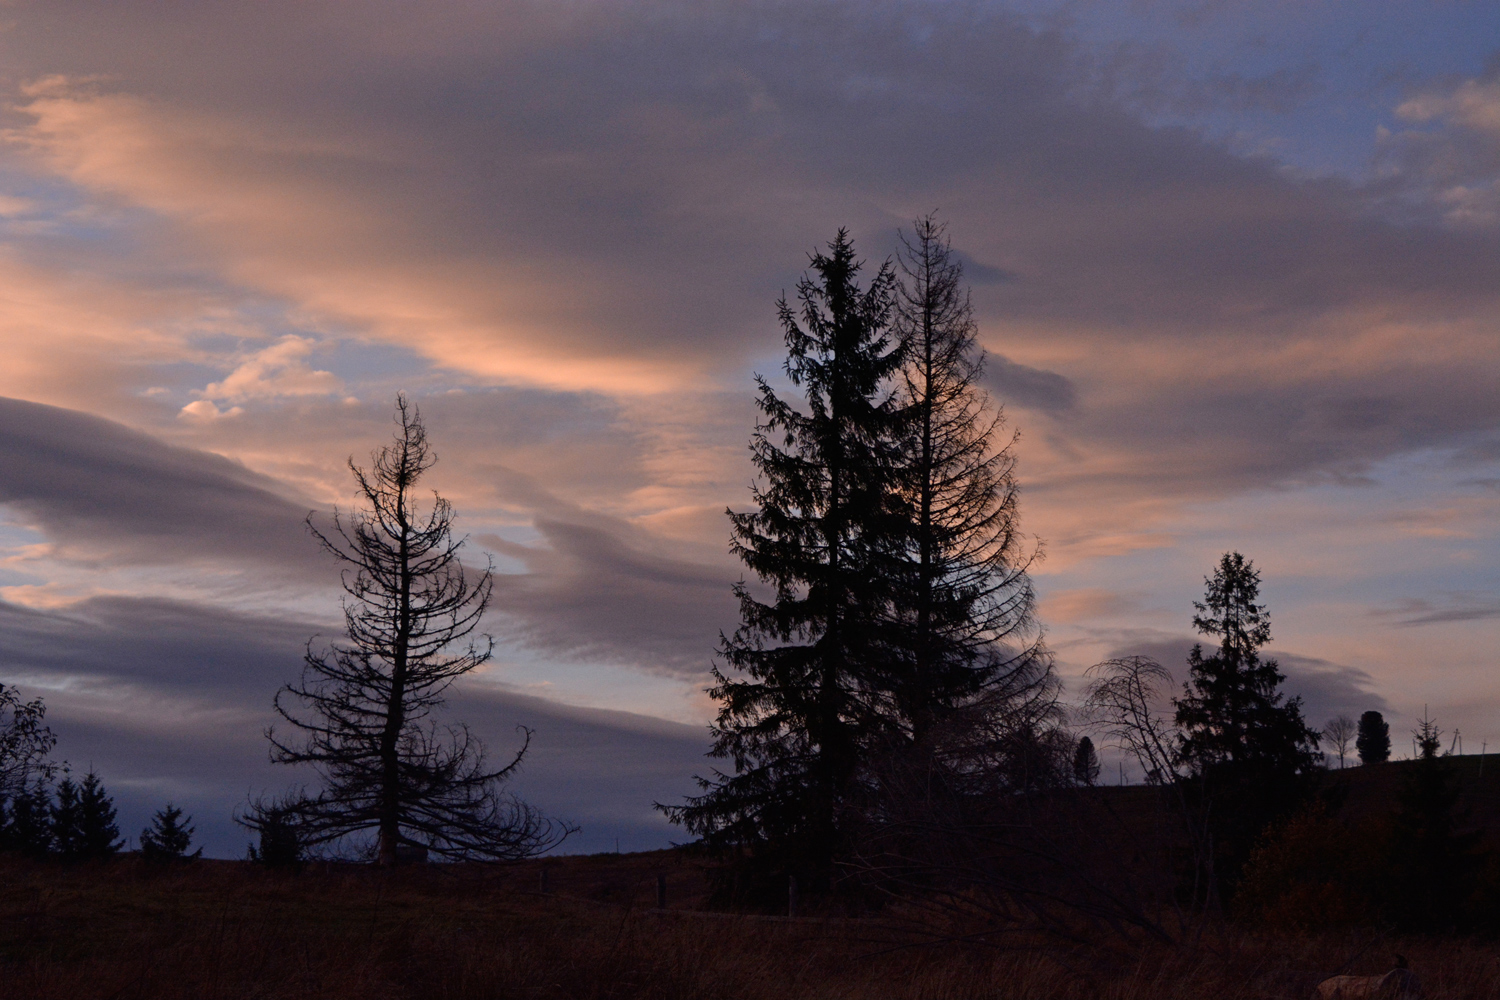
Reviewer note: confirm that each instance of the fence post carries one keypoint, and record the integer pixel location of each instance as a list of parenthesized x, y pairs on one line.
[(791, 895), (661, 892)]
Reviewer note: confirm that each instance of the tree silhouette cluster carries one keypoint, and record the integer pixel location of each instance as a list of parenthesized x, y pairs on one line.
[(75, 821), (1420, 867), (888, 713), (892, 612), (68, 820)]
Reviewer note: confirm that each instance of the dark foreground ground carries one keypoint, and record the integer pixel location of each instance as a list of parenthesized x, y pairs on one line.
[(220, 929)]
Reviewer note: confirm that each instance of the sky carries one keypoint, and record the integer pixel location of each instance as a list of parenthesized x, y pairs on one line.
[(1236, 269)]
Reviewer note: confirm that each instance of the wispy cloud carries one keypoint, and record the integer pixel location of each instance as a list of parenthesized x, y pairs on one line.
[(1447, 608)]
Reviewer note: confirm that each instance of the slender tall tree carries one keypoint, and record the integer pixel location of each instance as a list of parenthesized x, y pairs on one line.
[(1430, 881), (410, 612), (811, 664), (67, 821), (968, 607), (1085, 762)]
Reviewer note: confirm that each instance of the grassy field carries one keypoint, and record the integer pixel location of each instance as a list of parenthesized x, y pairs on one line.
[(219, 929)]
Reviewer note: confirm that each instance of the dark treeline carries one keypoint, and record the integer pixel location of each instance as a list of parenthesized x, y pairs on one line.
[(43, 815)]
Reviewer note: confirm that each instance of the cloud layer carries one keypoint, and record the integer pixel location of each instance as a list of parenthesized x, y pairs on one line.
[(168, 701)]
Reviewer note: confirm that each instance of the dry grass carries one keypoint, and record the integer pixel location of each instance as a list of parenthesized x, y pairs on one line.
[(215, 930)]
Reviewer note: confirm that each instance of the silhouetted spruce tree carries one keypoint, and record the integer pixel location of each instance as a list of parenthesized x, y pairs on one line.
[(1085, 762), (1245, 741), (83, 820), (410, 611), (98, 835), (1232, 714), (66, 821), (1374, 740), (808, 685), (169, 836), (280, 839), (27, 825), (966, 605)]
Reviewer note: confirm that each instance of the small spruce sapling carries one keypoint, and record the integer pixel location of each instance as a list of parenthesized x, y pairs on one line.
[(169, 836)]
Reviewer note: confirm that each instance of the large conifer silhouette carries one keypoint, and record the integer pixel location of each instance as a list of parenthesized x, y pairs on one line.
[(812, 659)]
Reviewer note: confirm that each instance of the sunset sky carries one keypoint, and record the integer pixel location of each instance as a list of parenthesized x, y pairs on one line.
[(1236, 267)]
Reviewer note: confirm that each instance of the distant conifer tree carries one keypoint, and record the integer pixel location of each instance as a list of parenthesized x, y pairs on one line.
[(169, 836), (1374, 740), (1233, 714), (1086, 762), (83, 820), (27, 827), (66, 821), (281, 840), (1246, 742), (1428, 738)]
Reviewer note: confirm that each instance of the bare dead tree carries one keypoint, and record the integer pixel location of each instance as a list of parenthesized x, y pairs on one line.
[(410, 612), (968, 606), (1122, 701), (1339, 733)]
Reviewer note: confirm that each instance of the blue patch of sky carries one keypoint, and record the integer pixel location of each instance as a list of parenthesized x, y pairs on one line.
[(13, 538), (63, 217), (1357, 60), (362, 362)]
